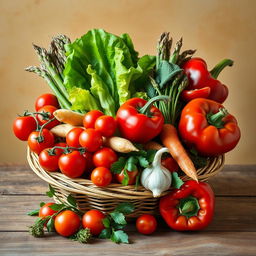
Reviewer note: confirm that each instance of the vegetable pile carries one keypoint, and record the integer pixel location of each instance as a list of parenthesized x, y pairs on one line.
[(116, 117)]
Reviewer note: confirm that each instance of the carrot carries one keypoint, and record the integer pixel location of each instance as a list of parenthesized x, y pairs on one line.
[(152, 145), (69, 117), (171, 140), (62, 130), (119, 144)]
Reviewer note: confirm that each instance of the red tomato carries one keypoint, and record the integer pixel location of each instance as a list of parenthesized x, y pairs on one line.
[(93, 220), (23, 126), (46, 99), (91, 139), (170, 164), (72, 137), (90, 118), (89, 162), (101, 176), (45, 210), (48, 161), (72, 164), (132, 177), (47, 109), (104, 157), (146, 224), (106, 125), (37, 147), (67, 223)]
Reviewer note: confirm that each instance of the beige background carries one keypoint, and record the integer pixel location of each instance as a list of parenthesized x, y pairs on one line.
[(218, 29)]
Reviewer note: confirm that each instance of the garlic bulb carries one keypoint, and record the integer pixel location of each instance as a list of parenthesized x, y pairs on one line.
[(157, 178)]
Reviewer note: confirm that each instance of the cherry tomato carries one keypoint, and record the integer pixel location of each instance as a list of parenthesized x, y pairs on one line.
[(146, 224), (46, 99), (90, 118), (47, 109), (101, 176), (93, 220), (104, 157), (37, 147), (48, 161), (89, 161), (72, 164), (67, 223), (23, 126), (170, 164), (91, 139), (72, 137), (106, 125), (45, 210), (132, 177)]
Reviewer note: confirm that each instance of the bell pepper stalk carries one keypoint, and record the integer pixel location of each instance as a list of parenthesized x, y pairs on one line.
[(206, 126), (189, 207), (139, 121), (199, 77)]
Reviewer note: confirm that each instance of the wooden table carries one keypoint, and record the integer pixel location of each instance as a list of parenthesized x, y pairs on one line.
[(233, 231)]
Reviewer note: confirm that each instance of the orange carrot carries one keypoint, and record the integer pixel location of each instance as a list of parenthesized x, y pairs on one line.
[(171, 140)]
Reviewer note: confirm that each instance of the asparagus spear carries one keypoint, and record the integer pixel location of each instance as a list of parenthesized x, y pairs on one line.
[(64, 103)]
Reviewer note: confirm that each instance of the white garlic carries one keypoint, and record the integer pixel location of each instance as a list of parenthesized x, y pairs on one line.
[(157, 178)]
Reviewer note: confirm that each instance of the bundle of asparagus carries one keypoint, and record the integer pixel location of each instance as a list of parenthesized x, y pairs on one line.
[(51, 67)]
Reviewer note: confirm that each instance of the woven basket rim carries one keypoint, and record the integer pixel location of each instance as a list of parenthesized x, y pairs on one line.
[(86, 187)]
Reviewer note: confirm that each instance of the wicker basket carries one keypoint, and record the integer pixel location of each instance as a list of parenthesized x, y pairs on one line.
[(105, 199)]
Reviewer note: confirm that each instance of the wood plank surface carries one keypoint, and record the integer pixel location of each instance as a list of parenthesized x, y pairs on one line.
[(235, 180), (232, 232), (161, 244)]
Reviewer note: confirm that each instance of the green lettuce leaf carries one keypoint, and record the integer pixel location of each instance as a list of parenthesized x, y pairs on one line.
[(106, 69), (82, 99)]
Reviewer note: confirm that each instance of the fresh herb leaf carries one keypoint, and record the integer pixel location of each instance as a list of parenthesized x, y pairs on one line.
[(119, 236), (176, 180), (143, 161), (72, 200), (165, 72), (125, 208), (50, 225), (126, 178), (118, 217), (33, 213), (42, 204), (150, 155), (106, 222), (119, 165), (131, 163), (105, 233), (57, 207), (51, 191)]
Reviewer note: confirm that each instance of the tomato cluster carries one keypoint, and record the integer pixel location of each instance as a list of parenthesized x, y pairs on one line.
[(68, 222)]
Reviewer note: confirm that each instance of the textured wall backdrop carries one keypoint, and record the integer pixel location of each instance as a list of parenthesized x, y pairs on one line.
[(217, 28)]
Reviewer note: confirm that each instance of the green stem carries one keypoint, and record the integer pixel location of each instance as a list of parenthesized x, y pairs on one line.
[(220, 66), (40, 138), (189, 206), (216, 119), (146, 108)]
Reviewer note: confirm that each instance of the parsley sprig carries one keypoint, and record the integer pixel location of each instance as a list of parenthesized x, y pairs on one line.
[(115, 222), (131, 162)]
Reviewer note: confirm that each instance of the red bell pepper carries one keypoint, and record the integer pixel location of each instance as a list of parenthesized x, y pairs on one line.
[(206, 126), (139, 121), (188, 95), (199, 78), (191, 207)]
